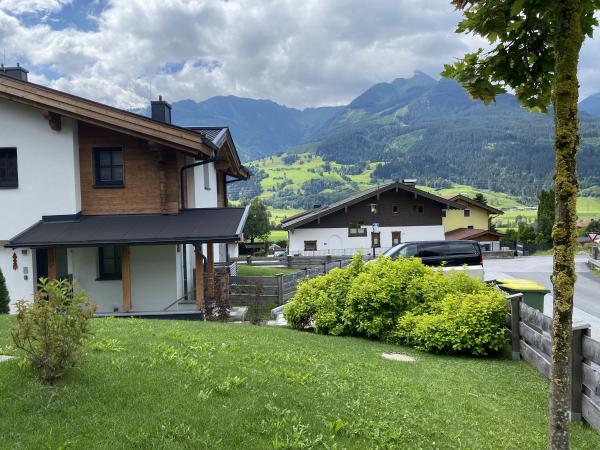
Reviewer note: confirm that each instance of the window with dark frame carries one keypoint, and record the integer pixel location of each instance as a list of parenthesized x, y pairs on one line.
[(375, 240), (444, 212), (396, 238), (395, 209), (9, 173), (374, 209), (109, 166), (356, 228), (418, 209), (310, 246), (109, 263), (467, 212)]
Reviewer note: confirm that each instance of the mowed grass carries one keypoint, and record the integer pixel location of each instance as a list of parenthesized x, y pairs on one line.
[(244, 270), (177, 384)]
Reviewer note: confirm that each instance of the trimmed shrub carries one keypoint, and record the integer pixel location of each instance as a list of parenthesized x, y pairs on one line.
[(4, 298), (381, 293), (51, 330), (321, 301), (459, 323)]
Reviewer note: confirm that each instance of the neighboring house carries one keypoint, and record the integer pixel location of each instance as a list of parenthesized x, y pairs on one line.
[(377, 218), (129, 206), (472, 223)]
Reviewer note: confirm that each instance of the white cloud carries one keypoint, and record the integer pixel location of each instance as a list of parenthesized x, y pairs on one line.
[(18, 7), (300, 53)]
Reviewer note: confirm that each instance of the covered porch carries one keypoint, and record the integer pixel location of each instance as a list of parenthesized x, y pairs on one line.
[(150, 264)]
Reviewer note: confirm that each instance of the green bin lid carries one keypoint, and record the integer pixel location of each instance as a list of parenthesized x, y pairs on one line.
[(519, 284)]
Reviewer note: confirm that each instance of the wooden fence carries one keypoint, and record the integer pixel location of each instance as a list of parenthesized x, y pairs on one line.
[(278, 289), (531, 340)]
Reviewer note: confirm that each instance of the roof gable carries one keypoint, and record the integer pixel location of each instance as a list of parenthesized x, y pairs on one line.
[(316, 213), (470, 202), (50, 100)]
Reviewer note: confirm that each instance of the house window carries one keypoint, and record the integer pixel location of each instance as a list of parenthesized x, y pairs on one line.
[(8, 168), (374, 209), (467, 212), (395, 210), (375, 240), (206, 176), (418, 209), (310, 246), (444, 212), (396, 238), (109, 263), (470, 227), (109, 166), (357, 228)]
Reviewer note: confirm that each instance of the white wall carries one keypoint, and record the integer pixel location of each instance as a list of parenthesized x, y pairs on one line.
[(83, 264), (153, 278), (205, 198), (48, 167), (47, 164), (336, 240)]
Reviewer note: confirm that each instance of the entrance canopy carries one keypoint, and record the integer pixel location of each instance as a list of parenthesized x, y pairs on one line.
[(204, 225)]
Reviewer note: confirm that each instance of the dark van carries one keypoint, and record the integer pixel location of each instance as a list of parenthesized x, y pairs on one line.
[(437, 253)]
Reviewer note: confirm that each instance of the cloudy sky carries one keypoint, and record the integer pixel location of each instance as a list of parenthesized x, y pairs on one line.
[(297, 52)]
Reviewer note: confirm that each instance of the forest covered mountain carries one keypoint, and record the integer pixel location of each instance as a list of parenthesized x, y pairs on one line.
[(416, 127)]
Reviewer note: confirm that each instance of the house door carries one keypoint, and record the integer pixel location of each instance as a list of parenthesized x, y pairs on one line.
[(41, 264)]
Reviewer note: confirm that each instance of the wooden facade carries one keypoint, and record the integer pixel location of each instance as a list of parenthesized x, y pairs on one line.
[(392, 208), (150, 179)]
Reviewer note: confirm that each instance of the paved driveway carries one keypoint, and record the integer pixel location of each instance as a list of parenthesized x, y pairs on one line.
[(539, 269)]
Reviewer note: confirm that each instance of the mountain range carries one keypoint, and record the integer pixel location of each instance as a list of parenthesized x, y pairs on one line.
[(415, 127)]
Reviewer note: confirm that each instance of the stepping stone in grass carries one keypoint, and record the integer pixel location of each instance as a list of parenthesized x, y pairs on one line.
[(398, 357)]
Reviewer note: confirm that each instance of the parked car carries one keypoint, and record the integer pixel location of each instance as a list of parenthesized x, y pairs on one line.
[(450, 254)]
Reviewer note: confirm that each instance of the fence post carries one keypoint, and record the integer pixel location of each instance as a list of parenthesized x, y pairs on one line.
[(515, 319), (248, 260), (289, 261), (325, 267), (579, 331), (279, 288)]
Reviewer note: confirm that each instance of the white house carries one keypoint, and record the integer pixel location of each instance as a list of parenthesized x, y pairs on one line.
[(372, 220), (129, 206)]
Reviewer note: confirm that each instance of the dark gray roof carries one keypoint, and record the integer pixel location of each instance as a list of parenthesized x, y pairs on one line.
[(213, 134), (189, 226), (313, 214)]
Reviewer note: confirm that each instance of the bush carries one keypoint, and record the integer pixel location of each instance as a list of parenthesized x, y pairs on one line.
[(381, 293), (321, 301), (459, 323), (4, 298), (52, 329)]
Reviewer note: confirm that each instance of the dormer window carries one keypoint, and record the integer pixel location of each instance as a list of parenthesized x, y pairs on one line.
[(9, 177), (109, 166)]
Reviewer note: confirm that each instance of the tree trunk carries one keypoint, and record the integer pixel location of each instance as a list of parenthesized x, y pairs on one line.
[(567, 45)]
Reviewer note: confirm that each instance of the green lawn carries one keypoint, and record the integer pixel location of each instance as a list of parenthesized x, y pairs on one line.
[(177, 384), (244, 270), (278, 235)]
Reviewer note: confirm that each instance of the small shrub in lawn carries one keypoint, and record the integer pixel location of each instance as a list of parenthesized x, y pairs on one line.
[(459, 323), (51, 330), (4, 298)]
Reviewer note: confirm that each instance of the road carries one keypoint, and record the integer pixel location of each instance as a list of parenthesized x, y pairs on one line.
[(539, 269)]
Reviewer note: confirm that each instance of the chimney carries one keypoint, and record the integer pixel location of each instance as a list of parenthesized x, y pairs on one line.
[(18, 73), (161, 110), (316, 206)]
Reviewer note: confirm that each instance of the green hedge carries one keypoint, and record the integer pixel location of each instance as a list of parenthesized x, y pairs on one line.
[(402, 301)]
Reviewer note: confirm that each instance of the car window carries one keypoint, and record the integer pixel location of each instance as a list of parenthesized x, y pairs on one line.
[(427, 249), (408, 251), (458, 248)]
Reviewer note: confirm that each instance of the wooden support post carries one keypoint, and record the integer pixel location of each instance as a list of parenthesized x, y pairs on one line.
[(279, 288), (52, 270), (577, 370), (199, 279), (126, 277), (515, 318), (210, 270)]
